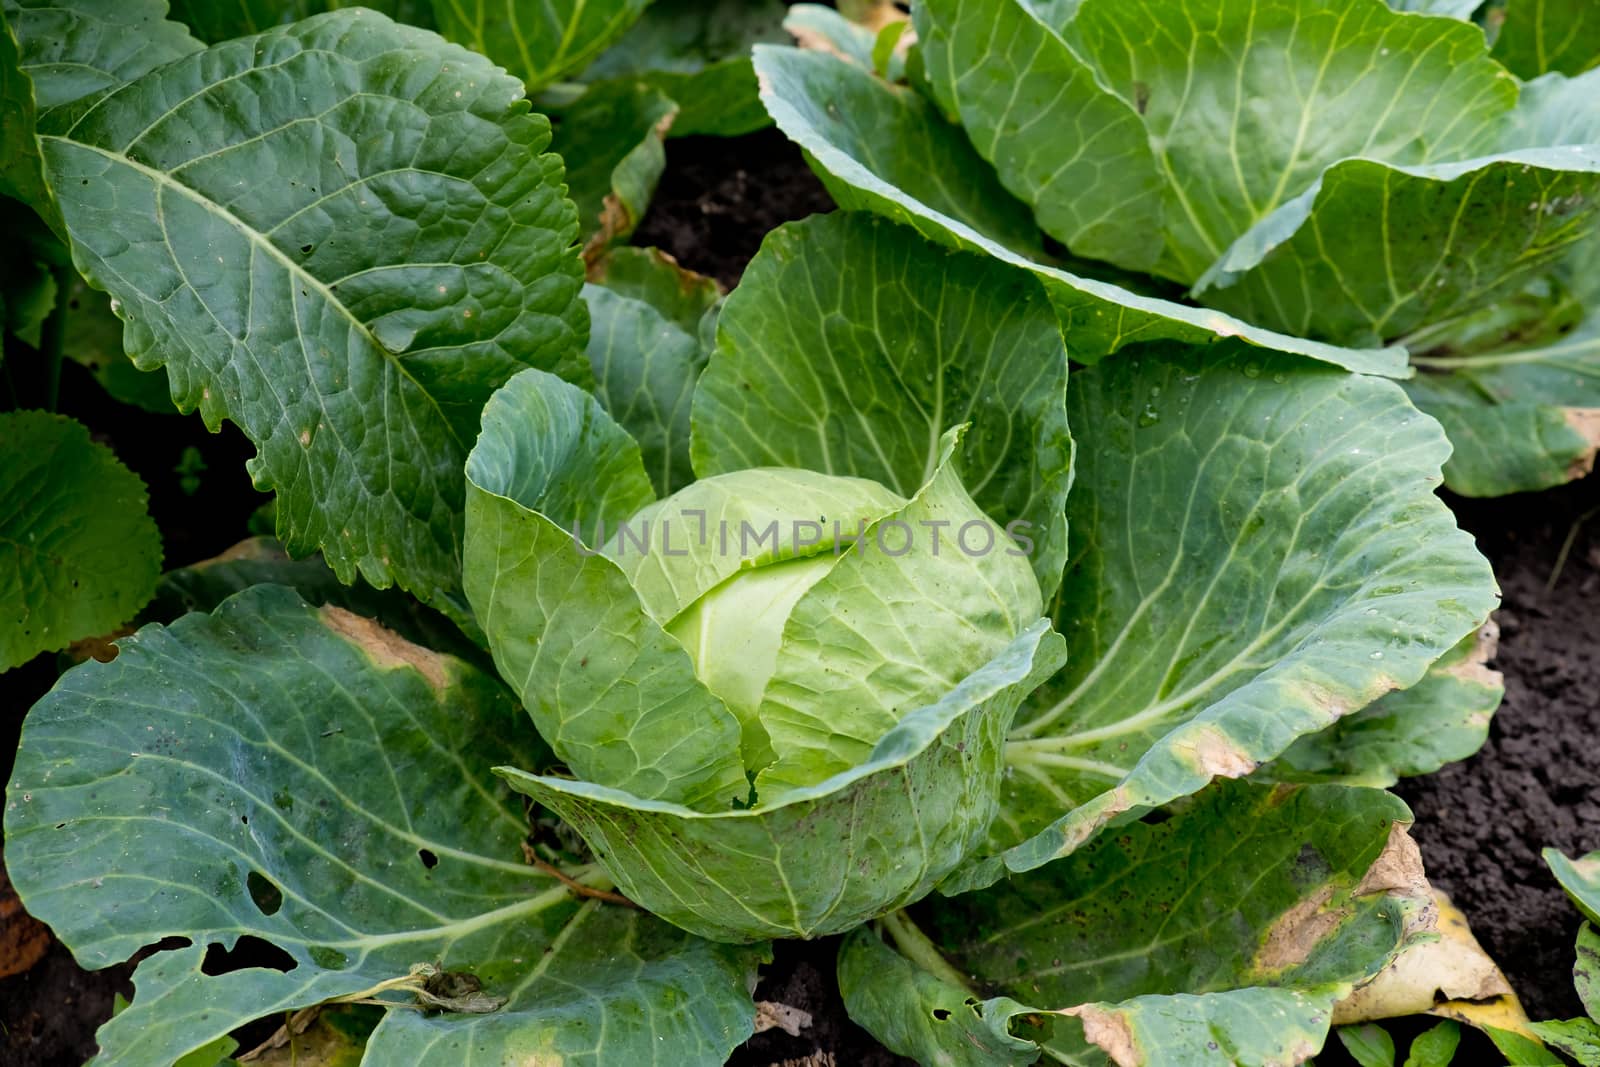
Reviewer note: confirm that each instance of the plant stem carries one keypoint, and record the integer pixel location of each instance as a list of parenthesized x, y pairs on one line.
[(915, 946), (54, 338)]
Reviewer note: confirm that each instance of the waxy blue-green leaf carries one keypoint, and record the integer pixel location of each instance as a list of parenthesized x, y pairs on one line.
[(697, 52), (882, 148), (611, 139), (537, 40), (816, 368), (1248, 101), (917, 1014), (1077, 153), (1580, 878), (1256, 552), (826, 857), (1449, 238), (77, 49), (353, 303), (616, 697), (79, 553), (1442, 719), (305, 777), (1222, 935), (1540, 36), (647, 347)]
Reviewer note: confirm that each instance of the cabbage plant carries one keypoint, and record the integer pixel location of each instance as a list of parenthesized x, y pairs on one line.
[(1356, 174), (536, 763)]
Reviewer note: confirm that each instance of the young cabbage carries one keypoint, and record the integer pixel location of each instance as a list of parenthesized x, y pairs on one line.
[(821, 609), (745, 673)]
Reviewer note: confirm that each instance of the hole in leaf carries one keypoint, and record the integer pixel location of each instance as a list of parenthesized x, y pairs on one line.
[(305, 250), (268, 898), (429, 860), (941, 1014), (249, 952), (245, 819)]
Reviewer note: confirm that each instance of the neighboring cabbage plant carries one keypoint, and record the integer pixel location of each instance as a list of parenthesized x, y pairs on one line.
[(1345, 174)]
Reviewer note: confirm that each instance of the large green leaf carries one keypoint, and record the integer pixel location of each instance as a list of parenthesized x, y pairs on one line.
[(1580, 878), (826, 857), (76, 49), (1539, 36), (537, 40), (399, 251), (1076, 152), (616, 697), (1256, 552), (79, 554), (882, 148), (698, 53), (307, 778), (1247, 101), (816, 368), (1450, 238), (1222, 935), (1442, 719)]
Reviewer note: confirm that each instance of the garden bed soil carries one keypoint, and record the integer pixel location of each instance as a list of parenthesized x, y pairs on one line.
[(1480, 823)]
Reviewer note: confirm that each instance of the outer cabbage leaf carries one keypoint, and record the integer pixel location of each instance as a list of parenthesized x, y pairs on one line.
[(79, 553), (814, 368), (1442, 719), (1516, 384), (1247, 101), (1449, 237), (1540, 36), (649, 339), (537, 40), (698, 54), (882, 148), (826, 857), (1256, 552), (1076, 152), (1222, 935), (616, 697), (351, 306), (1580, 878), (304, 777), (73, 49)]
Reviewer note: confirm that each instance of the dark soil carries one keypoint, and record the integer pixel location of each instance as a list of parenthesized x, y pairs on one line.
[(1536, 783), (1480, 823), (720, 197)]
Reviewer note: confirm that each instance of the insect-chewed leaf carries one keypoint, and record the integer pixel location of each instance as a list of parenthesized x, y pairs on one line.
[(1222, 935), (304, 777)]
